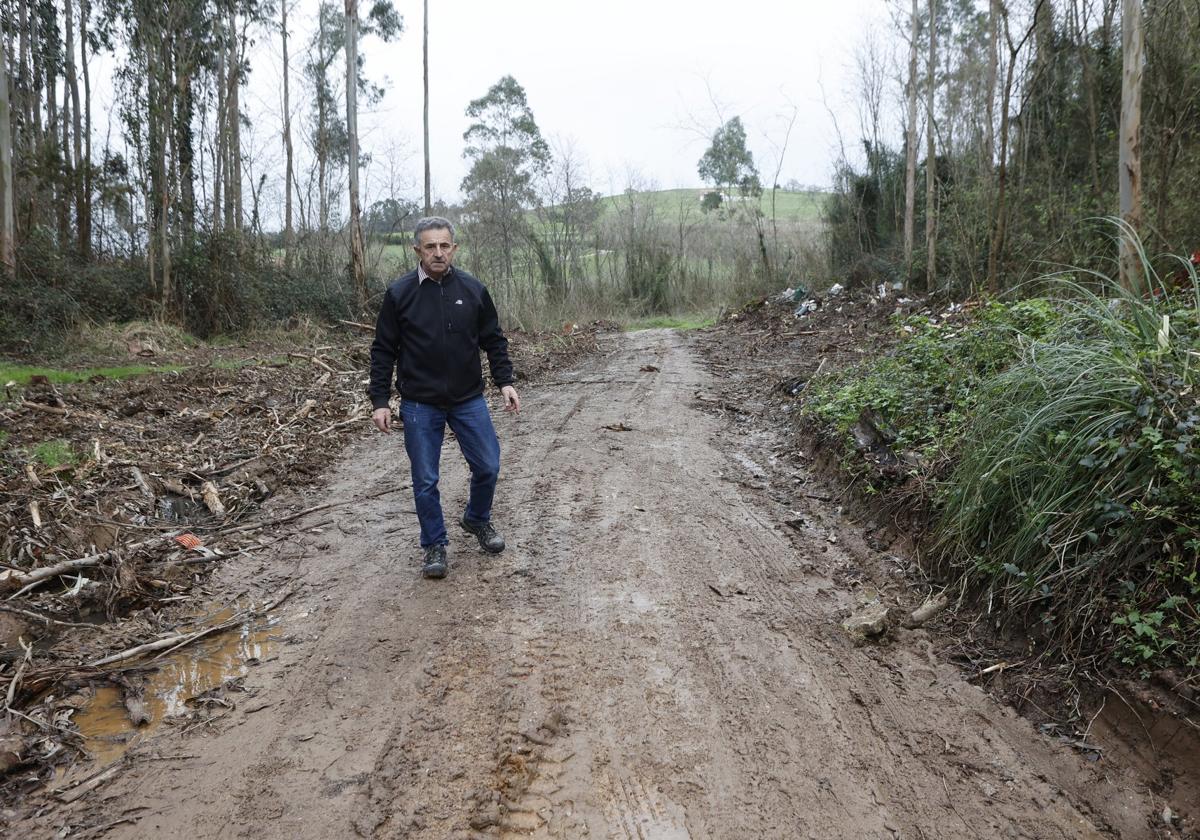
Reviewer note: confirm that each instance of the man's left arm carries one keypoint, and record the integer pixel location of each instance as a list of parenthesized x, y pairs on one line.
[(493, 342)]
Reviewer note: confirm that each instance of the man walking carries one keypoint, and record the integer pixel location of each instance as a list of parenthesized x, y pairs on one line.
[(432, 325)]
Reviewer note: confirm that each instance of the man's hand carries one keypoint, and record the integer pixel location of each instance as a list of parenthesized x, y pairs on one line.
[(512, 402), (382, 417)]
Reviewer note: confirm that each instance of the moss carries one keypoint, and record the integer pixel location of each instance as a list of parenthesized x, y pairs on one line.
[(54, 453)]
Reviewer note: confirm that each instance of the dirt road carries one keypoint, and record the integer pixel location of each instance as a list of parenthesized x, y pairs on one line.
[(653, 657)]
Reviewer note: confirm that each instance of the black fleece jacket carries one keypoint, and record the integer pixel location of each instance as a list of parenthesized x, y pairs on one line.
[(431, 333)]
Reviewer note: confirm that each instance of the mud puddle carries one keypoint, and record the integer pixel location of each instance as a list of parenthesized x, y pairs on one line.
[(184, 683)]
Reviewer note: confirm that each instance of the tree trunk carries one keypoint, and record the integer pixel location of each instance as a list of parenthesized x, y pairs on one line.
[(322, 140), (219, 210), (425, 59), (910, 162), (26, 102), (66, 195), (238, 46), (1000, 214), (289, 174), (54, 131), (233, 165), (989, 128), (165, 165), (155, 153), (85, 214), (184, 144), (37, 137), (1088, 75), (1130, 150), (77, 126), (930, 155), (358, 270), (7, 243)]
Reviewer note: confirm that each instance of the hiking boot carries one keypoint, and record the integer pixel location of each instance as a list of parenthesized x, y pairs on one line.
[(435, 562), (489, 540)]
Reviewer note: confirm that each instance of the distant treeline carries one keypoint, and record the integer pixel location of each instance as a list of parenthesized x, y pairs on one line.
[(1016, 138)]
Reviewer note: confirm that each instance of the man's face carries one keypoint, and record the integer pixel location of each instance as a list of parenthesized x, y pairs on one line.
[(435, 249)]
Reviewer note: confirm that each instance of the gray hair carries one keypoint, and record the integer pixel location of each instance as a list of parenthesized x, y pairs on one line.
[(431, 223)]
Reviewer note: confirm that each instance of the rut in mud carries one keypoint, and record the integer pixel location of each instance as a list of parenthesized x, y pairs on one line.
[(653, 657)]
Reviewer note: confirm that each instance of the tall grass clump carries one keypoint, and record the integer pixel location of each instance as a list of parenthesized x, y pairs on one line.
[(1076, 495)]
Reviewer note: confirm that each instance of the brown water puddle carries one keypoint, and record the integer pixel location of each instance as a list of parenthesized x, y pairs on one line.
[(202, 666)]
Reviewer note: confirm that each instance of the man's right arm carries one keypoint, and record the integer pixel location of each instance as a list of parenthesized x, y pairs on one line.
[(385, 351)]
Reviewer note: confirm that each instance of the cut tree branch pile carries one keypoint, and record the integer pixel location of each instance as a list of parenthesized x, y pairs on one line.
[(111, 492)]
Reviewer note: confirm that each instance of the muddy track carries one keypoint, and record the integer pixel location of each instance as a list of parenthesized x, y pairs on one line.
[(652, 658)]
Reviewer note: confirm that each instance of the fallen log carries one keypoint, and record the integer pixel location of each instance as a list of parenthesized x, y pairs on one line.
[(49, 409), (27, 580)]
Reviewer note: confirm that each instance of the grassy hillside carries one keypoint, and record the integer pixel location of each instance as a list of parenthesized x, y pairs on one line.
[(789, 206)]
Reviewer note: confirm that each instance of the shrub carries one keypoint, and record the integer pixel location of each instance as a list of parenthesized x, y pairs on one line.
[(1076, 492), (925, 388)]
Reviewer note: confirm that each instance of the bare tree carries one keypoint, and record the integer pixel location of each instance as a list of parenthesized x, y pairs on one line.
[(999, 214), (1130, 144), (780, 155)]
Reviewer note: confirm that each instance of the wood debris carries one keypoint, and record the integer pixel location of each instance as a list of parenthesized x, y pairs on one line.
[(141, 494)]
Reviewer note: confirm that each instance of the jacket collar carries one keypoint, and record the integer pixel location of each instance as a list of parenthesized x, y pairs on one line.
[(423, 275)]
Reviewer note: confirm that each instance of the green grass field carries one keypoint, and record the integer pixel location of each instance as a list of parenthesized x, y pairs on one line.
[(21, 374), (789, 206)]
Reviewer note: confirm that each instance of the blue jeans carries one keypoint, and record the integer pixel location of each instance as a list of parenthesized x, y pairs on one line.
[(424, 430)]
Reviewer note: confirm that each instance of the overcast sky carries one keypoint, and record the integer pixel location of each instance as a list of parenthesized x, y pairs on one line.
[(627, 82), (635, 86)]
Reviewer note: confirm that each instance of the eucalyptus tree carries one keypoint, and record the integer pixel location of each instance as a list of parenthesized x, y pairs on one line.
[(729, 166), (930, 156), (1129, 167), (289, 177), (507, 152), (910, 140), (7, 239), (425, 117), (329, 137)]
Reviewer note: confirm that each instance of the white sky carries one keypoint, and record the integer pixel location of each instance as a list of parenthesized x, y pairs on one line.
[(626, 82)]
